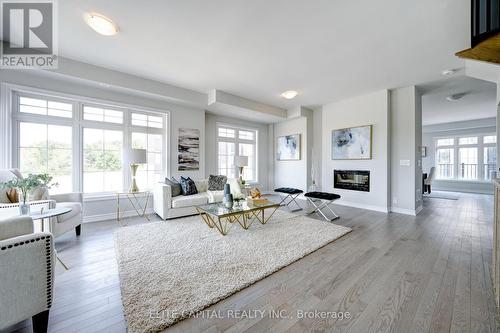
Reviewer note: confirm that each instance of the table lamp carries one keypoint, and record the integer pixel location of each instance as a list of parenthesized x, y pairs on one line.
[(241, 162), (137, 156)]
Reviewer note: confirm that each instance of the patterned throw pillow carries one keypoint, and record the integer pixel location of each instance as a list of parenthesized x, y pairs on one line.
[(216, 183), (188, 186), (174, 186), (12, 195)]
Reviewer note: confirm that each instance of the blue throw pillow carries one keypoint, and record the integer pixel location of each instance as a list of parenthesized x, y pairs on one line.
[(188, 186)]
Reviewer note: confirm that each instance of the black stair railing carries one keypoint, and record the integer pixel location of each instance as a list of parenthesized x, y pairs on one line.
[(485, 20)]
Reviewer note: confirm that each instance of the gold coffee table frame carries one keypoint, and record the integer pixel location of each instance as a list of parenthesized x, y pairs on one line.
[(222, 218)]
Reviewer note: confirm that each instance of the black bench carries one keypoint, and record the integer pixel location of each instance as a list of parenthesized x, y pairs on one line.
[(321, 201), (290, 194)]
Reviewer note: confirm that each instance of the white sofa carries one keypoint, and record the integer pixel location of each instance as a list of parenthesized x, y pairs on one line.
[(168, 207), (27, 273)]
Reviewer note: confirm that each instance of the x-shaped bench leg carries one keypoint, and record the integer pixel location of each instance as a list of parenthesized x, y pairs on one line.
[(322, 205), (291, 198)]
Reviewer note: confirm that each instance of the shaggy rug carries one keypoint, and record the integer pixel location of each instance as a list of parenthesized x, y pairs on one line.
[(171, 270)]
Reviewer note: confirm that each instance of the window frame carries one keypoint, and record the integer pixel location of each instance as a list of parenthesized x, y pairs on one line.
[(237, 141), (78, 124), (480, 145)]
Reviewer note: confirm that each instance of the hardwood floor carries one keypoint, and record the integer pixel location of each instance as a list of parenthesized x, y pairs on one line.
[(393, 273)]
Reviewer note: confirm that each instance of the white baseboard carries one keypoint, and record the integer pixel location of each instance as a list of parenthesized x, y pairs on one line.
[(112, 216), (405, 211), (362, 206)]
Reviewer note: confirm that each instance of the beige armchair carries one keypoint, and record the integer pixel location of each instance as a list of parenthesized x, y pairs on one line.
[(26, 274)]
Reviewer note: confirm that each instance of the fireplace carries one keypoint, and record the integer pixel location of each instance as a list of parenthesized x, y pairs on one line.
[(354, 180)]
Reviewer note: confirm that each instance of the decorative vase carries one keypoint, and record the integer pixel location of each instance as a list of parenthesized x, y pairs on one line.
[(24, 206), (227, 189), (228, 200)]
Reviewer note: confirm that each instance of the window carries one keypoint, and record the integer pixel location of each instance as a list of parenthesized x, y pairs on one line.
[(444, 163), (103, 166), (466, 157), (45, 107), (83, 145), (233, 142), (150, 173), (45, 148), (104, 115)]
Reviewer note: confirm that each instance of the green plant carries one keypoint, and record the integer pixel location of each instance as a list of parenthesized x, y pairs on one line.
[(27, 184)]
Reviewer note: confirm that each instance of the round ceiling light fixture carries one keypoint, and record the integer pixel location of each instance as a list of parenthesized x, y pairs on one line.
[(101, 24), (449, 72), (289, 94), (455, 97)]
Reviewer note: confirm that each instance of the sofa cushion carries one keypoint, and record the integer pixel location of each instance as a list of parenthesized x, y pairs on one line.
[(215, 196), (201, 185), (190, 200), (235, 187), (76, 208), (216, 183), (175, 187), (188, 186)]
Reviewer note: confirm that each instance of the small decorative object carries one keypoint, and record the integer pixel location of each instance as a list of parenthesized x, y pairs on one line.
[(424, 151), (353, 143), (25, 185), (238, 200), (137, 156), (189, 149), (255, 193), (288, 148), (227, 189), (241, 162)]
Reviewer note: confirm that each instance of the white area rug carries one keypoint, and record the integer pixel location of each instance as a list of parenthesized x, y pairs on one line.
[(169, 270)]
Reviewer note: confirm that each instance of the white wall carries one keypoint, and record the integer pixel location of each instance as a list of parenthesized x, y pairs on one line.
[(292, 173), (180, 116), (370, 109), (263, 146), (431, 132)]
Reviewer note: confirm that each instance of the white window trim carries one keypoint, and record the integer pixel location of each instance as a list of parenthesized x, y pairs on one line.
[(11, 92), (236, 140), (456, 146)]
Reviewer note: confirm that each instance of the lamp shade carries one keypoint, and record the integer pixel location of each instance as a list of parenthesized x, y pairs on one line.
[(242, 161), (138, 156)]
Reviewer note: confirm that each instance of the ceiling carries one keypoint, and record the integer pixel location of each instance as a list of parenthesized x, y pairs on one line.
[(326, 49), (478, 103)]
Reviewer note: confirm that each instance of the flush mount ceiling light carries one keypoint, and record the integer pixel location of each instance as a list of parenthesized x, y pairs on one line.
[(101, 24), (455, 97), (289, 94), (449, 72)]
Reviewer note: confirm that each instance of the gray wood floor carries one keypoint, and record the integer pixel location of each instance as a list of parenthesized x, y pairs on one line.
[(393, 273)]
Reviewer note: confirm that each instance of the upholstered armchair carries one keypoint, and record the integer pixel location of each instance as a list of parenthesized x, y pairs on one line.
[(26, 273), (71, 220)]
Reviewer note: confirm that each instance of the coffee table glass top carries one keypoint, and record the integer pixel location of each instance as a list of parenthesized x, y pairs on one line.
[(219, 210)]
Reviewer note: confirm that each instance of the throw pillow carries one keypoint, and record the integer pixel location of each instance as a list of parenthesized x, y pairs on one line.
[(216, 183), (188, 186), (39, 193), (12, 195), (174, 186)]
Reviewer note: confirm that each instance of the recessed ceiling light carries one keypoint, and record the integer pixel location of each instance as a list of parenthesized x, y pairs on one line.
[(101, 24), (455, 97), (289, 94), (449, 72)]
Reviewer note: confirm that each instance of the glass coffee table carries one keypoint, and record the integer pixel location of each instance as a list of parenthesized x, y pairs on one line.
[(222, 218)]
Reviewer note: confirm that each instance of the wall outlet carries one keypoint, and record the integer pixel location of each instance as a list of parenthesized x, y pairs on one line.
[(394, 201)]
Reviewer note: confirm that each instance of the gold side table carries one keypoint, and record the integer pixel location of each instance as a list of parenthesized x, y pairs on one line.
[(134, 198)]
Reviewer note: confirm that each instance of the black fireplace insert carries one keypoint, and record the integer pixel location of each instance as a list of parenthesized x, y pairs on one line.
[(354, 180)]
